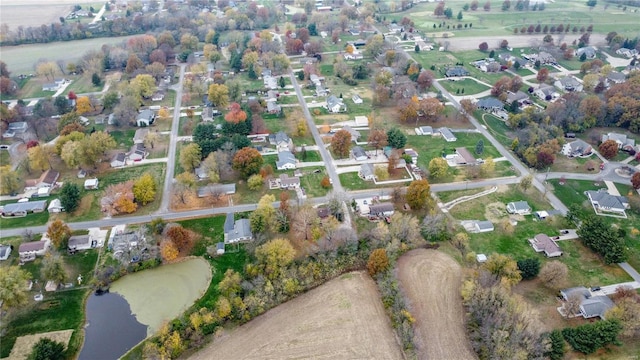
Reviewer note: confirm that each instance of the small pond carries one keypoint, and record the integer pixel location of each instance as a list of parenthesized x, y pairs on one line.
[(138, 304)]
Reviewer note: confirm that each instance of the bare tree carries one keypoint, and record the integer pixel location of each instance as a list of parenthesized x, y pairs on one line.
[(572, 305), (554, 274)]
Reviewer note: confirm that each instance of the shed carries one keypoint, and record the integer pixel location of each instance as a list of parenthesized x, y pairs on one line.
[(481, 258), (220, 248), (55, 206), (91, 184)]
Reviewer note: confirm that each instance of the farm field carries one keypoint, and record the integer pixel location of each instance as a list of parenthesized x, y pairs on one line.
[(34, 12), (431, 280), (343, 318), (22, 59)]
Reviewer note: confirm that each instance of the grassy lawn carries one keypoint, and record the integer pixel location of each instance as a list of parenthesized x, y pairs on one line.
[(5, 158), (83, 84), (311, 156), (60, 310), (123, 138), (32, 88), (572, 192), (464, 86), (577, 165), (429, 147), (477, 208), (27, 221), (446, 196)]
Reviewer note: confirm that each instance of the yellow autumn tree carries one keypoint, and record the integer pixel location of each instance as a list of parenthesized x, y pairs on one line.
[(168, 251), (83, 105), (144, 189)]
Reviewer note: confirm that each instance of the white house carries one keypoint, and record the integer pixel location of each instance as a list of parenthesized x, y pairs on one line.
[(29, 250), (119, 160), (367, 172), (546, 92), (577, 148), (236, 231), (286, 160), (281, 140), (55, 206), (545, 244), (335, 105), (519, 207), (91, 184)]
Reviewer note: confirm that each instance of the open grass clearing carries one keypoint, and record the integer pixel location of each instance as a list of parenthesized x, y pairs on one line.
[(464, 86), (342, 318), (82, 84), (23, 58)]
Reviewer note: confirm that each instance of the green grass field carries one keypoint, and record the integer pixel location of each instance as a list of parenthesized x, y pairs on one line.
[(464, 86)]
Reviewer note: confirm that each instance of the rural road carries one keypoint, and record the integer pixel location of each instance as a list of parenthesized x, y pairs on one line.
[(431, 281)]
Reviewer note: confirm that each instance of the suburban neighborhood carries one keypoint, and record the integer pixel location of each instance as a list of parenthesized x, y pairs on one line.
[(208, 169)]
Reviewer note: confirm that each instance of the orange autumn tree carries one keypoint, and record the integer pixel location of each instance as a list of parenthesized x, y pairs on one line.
[(235, 114)]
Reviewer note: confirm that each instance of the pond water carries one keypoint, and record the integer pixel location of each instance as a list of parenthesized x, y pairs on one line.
[(138, 304)]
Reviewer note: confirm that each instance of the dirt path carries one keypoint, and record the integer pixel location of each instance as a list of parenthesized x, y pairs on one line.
[(342, 319), (431, 280)]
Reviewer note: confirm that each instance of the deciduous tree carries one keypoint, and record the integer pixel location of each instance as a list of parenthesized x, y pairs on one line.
[(235, 114), (53, 269), (219, 95), (255, 182), (274, 256), (438, 167), (419, 194), (168, 251), (635, 180), (12, 286), (554, 274), (38, 158), (247, 161), (505, 268), (9, 180), (59, 232), (378, 262), (144, 189), (340, 143), (608, 149), (83, 105), (190, 157)]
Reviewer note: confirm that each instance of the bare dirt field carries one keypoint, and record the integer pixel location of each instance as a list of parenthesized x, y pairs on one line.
[(24, 344), (342, 319), (431, 281)]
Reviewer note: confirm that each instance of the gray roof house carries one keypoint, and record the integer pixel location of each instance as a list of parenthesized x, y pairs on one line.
[(623, 141), (335, 104), (519, 96), (568, 83), (81, 242), (359, 154), (381, 209), (490, 104), (425, 130), (240, 232), (119, 160), (589, 51), (456, 71), (615, 77), (367, 172), (465, 157), (145, 118), (590, 306), (519, 207), (355, 134), (281, 140), (290, 183), (545, 244), (603, 201), (29, 250), (23, 208), (577, 148), (138, 152), (138, 137), (55, 206), (286, 160), (546, 92), (273, 107), (483, 226), (447, 134), (5, 251)]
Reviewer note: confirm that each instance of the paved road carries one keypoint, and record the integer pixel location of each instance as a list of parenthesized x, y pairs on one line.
[(173, 140), (326, 157), (631, 271)]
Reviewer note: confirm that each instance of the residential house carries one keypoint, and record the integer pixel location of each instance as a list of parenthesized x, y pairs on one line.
[(456, 71), (519, 207), (355, 55), (423, 46), (46, 180), (483, 226), (358, 43), (138, 152), (23, 208), (361, 120), (15, 128), (316, 80), (272, 95), (520, 97), (568, 83), (286, 160), (157, 96), (490, 104), (5, 251), (289, 183), (216, 189), (55, 206), (424, 130), (145, 118), (236, 231), (546, 92), (381, 209), (50, 87), (208, 113), (358, 153), (273, 107), (281, 141), (590, 306), (138, 137), (577, 148), (395, 28), (545, 58), (601, 200), (356, 99), (589, 51), (545, 244), (624, 142), (465, 157), (627, 52), (29, 250), (270, 82), (413, 154), (335, 104), (91, 184), (81, 242), (355, 134), (487, 65), (367, 172), (447, 134), (321, 91), (119, 160), (615, 77)]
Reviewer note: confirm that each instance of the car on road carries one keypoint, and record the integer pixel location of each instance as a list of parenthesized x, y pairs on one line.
[(595, 288)]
